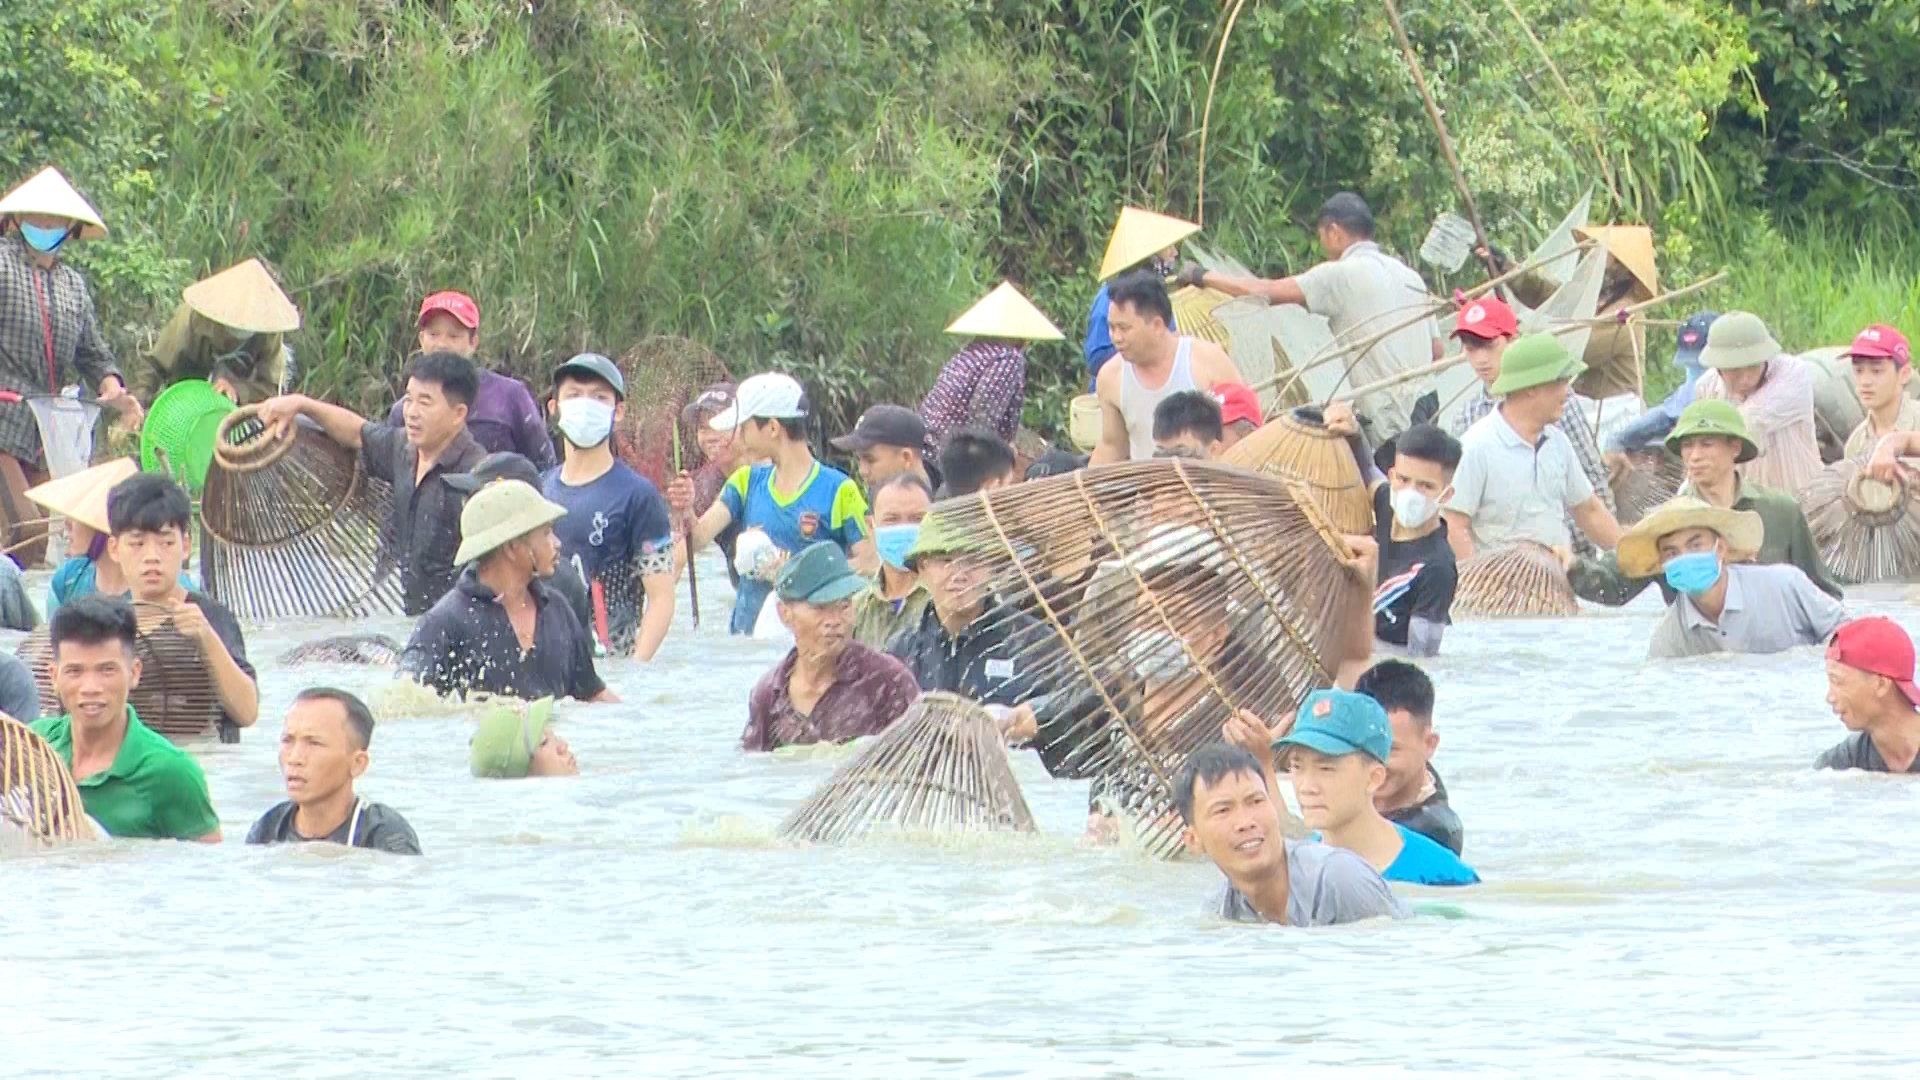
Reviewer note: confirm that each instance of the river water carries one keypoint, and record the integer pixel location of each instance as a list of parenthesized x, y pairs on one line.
[(1671, 891)]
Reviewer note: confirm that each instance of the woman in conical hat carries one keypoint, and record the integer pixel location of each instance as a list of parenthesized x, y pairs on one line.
[(985, 384), (230, 329), (49, 336), (82, 500)]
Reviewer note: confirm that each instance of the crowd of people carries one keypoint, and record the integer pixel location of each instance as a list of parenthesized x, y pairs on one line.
[(526, 566)]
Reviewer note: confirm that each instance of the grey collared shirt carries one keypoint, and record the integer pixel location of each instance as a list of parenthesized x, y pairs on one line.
[(1768, 609), (1326, 886), (1509, 490)]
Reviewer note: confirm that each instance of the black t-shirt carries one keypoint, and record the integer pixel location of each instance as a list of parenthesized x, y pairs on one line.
[(1417, 577), (1857, 751), (371, 826), (1433, 818), (227, 629), (467, 643)]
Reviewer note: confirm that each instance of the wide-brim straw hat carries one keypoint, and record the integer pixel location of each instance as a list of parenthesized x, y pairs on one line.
[(1639, 550), (246, 298), (47, 192), (1738, 339), (1632, 247), (499, 514), (1138, 236), (83, 496), (1008, 315)]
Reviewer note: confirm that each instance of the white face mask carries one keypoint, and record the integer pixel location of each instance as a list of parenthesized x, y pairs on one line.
[(1412, 508), (586, 422)]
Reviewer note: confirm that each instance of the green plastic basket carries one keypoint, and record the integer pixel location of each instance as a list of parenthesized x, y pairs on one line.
[(178, 435)]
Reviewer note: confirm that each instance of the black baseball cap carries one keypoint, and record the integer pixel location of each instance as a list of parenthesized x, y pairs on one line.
[(505, 465), (885, 425)]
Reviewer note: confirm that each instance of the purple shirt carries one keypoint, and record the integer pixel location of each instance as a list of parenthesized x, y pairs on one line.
[(870, 691), (984, 385), (503, 418)]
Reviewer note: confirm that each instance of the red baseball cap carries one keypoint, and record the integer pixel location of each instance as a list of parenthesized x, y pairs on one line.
[(1881, 342), (1237, 403), (457, 304), (1876, 644), (1487, 318)]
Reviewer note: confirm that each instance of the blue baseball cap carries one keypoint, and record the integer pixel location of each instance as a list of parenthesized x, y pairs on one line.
[(1340, 722), (1693, 338)]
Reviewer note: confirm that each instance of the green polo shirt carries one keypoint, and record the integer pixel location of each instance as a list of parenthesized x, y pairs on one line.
[(153, 790)]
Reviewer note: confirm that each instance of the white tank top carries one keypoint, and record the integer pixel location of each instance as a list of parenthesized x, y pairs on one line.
[(1137, 402)]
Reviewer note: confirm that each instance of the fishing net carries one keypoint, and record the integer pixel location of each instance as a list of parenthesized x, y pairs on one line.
[(294, 525), (941, 768), (180, 430), (1867, 531), (175, 696), (663, 374), (1521, 580), (38, 799), (1297, 446), (1652, 476), (66, 431), (1147, 602)]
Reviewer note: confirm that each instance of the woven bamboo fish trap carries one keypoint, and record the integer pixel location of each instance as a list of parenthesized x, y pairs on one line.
[(1521, 580), (1652, 477), (294, 525), (372, 650), (1867, 531), (1150, 600), (1297, 446), (941, 768), (1193, 314), (663, 374), (175, 697), (37, 793)]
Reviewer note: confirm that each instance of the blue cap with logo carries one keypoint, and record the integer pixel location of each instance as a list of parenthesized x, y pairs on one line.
[(1340, 722)]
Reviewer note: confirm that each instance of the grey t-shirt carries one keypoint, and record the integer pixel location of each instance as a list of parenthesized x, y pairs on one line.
[(1857, 751), (19, 696), (1326, 886)]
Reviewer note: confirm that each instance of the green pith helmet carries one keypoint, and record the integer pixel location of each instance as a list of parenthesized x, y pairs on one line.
[(1535, 360), (1714, 417)]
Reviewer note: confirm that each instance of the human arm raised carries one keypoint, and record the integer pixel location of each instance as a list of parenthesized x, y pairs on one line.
[(341, 425)]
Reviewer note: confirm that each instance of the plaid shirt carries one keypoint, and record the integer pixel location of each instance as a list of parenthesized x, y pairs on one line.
[(49, 337), (984, 385)]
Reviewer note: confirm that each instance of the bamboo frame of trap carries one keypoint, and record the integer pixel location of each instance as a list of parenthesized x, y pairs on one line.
[(176, 696), (1867, 530), (30, 767)]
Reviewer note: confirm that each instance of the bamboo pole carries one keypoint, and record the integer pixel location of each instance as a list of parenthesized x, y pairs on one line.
[(1206, 115), (1600, 154), (693, 576), (1440, 128)]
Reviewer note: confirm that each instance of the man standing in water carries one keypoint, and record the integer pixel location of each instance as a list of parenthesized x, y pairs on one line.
[(503, 415), (1188, 425), (323, 750), (1519, 476), (513, 743), (1233, 819), (1711, 439), (131, 779), (829, 688), (794, 499), (1154, 363), (1418, 576), (888, 440), (424, 524), (616, 531), (1774, 393), (896, 599), (1870, 685), (974, 460), (1413, 795), (1882, 367)]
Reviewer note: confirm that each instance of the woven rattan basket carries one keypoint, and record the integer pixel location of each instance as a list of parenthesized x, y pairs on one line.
[(1867, 531), (1520, 580), (1297, 446), (1651, 478), (175, 696), (38, 798)]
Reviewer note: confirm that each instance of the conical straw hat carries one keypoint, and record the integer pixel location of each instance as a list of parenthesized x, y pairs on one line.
[(245, 297), (1004, 313), (1632, 247), (83, 496), (47, 192), (1140, 234)]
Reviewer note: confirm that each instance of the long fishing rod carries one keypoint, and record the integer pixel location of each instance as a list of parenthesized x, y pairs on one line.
[(693, 575)]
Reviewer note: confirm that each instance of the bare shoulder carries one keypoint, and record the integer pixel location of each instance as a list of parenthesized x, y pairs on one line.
[(1217, 366)]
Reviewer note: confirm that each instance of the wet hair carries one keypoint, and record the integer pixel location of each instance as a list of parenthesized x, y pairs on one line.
[(1429, 443), (94, 619), (1349, 211), (1144, 291), (1189, 412), (908, 479), (1209, 765), (454, 374), (1396, 684), (359, 717), (972, 457), (148, 502)]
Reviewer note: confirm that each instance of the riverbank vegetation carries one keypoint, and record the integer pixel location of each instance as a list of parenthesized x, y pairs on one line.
[(819, 185)]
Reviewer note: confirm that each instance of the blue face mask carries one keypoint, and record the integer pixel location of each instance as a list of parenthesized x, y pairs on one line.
[(1694, 572), (894, 541), (44, 241)]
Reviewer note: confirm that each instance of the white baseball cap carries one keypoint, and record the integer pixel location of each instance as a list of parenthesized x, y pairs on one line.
[(769, 396)]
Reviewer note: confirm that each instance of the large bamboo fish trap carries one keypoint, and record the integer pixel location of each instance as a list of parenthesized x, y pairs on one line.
[(1297, 446), (663, 374), (1652, 476), (370, 650), (941, 768), (37, 794), (1229, 584), (294, 525), (1521, 580), (1867, 531), (175, 697)]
